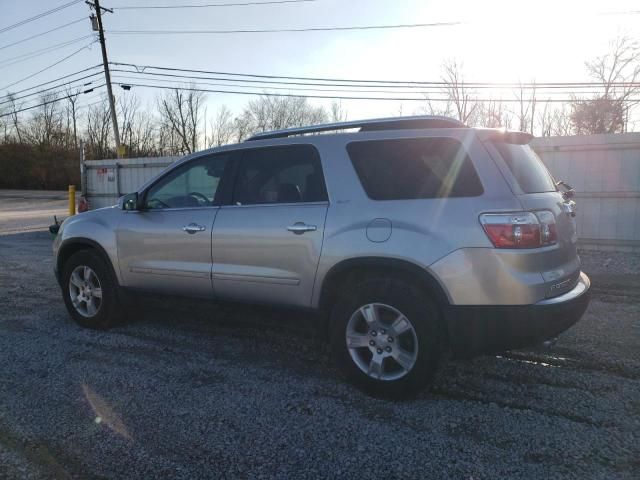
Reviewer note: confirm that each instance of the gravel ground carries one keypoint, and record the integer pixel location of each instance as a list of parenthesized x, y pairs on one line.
[(236, 392)]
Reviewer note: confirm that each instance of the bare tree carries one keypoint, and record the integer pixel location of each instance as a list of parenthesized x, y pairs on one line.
[(242, 125), (554, 121), (45, 127), (180, 112), (274, 113), (72, 114), (337, 113), (545, 120), (493, 114), (138, 128), (432, 107), (526, 102), (98, 130), (222, 128), (13, 108), (561, 122), (462, 99), (127, 109), (4, 124), (618, 71)]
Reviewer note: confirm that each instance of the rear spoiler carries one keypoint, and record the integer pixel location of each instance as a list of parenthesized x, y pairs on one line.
[(503, 136)]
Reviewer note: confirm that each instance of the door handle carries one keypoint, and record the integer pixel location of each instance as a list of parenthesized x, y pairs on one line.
[(193, 228), (299, 228)]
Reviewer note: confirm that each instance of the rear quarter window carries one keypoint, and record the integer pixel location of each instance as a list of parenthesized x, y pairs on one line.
[(402, 169), (526, 167)]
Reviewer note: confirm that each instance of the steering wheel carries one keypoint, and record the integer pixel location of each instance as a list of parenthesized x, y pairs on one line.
[(162, 204), (200, 197)]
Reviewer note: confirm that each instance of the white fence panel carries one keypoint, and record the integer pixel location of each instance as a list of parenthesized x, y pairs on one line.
[(104, 181), (605, 171)]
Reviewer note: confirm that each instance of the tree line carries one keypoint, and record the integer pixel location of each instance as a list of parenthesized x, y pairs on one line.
[(40, 148)]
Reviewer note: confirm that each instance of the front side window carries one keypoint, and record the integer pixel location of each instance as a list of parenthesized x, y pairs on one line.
[(190, 186), (402, 169), (289, 174)]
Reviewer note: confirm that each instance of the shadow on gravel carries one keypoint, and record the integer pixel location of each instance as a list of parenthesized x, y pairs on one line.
[(291, 340)]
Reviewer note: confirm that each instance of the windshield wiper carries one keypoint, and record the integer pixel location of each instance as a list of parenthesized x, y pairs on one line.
[(567, 190)]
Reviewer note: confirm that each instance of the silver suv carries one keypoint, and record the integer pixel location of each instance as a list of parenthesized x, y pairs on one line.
[(413, 237)]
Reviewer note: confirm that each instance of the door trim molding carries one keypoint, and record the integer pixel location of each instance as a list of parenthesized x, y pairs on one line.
[(234, 277)]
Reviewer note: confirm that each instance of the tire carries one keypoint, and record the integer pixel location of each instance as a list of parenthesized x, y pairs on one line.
[(106, 311), (389, 301)]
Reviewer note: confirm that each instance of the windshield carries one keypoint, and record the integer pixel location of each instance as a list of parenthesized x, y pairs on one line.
[(527, 168)]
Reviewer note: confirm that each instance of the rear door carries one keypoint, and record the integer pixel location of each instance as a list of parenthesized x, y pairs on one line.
[(536, 190), (267, 243)]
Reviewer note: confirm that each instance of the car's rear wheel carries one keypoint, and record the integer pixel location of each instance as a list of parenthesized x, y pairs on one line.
[(386, 337), (90, 291)]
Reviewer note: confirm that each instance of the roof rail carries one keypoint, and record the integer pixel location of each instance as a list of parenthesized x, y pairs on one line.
[(391, 123)]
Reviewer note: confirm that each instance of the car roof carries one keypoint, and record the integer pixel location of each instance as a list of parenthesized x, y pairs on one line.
[(375, 124)]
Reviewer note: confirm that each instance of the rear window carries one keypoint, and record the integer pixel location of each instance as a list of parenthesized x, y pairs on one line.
[(403, 169), (526, 167)]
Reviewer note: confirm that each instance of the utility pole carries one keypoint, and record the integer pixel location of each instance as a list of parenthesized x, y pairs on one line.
[(114, 119)]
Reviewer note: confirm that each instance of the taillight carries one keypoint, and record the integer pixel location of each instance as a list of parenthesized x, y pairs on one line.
[(520, 230)]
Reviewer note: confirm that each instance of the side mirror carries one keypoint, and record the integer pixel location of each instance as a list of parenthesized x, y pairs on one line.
[(129, 202)]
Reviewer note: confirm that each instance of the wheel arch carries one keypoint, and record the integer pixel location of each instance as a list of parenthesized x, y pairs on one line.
[(76, 244), (353, 267)]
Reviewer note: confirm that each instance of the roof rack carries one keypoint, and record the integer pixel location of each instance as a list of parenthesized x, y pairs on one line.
[(391, 123)]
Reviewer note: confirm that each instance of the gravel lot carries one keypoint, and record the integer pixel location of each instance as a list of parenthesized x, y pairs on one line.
[(221, 392)]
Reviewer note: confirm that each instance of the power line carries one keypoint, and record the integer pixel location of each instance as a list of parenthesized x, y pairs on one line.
[(57, 80), (336, 97), (83, 19), (125, 77), (236, 92), (40, 15), (331, 86), (210, 5), (284, 30), (266, 83), (47, 67), (537, 85), (36, 53), (43, 104), (56, 89)]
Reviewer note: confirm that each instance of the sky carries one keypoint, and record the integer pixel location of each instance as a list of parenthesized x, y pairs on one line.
[(496, 41)]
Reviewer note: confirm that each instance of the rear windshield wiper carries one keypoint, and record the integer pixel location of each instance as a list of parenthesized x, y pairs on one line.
[(566, 190)]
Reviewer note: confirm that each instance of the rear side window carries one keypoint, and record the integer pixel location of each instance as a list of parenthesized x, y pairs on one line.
[(402, 169), (526, 167), (289, 174)]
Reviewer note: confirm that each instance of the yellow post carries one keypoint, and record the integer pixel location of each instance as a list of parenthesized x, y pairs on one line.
[(72, 200)]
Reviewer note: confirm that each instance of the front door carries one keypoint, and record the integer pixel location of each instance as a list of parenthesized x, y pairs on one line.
[(267, 243), (166, 246)]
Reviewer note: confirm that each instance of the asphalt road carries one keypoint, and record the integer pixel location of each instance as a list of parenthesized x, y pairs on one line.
[(30, 210), (208, 391)]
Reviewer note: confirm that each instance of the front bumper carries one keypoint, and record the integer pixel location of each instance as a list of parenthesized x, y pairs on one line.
[(475, 330)]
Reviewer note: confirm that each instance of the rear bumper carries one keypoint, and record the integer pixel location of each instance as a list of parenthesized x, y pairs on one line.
[(475, 330)]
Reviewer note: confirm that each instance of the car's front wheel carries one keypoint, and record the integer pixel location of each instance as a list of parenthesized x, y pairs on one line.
[(90, 291), (386, 337)]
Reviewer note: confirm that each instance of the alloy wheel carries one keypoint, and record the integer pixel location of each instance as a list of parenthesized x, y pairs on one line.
[(382, 341), (85, 291)]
